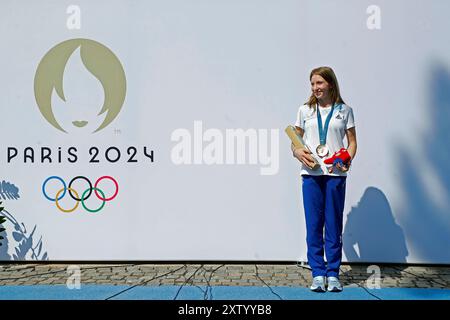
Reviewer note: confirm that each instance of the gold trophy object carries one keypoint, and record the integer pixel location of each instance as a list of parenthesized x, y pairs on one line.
[(299, 143)]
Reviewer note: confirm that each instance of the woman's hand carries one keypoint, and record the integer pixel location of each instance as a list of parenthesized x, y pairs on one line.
[(340, 166), (304, 156)]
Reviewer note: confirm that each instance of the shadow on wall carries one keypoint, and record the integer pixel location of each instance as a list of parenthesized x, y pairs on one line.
[(426, 215), (24, 243), (8, 191), (371, 233)]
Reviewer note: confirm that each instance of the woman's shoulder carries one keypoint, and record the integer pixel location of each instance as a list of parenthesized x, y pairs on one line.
[(345, 108), (305, 111), (304, 108)]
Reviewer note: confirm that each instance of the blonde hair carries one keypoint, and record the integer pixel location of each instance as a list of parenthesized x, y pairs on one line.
[(328, 74)]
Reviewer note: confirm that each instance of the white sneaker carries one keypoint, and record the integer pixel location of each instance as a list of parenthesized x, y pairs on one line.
[(334, 285), (318, 284)]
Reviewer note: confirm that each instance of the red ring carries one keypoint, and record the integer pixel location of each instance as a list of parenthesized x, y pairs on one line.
[(113, 180)]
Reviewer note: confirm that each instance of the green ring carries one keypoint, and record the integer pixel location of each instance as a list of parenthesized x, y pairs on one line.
[(86, 208)]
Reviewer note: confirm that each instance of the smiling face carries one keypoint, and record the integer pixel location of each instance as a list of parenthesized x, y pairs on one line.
[(320, 88), (324, 87)]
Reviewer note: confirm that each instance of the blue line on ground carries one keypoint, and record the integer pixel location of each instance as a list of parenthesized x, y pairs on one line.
[(101, 292)]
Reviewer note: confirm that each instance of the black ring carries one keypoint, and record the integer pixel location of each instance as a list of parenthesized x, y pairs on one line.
[(90, 187)]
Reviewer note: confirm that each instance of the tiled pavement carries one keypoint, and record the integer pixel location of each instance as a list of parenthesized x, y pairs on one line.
[(289, 275)]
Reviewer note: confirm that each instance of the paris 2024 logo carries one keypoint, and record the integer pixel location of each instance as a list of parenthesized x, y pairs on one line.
[(99, 61)]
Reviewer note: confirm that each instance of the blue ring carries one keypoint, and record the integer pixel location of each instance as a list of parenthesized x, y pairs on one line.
[(57, 178)]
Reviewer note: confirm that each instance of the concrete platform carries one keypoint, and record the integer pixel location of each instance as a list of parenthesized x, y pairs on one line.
[(108, 292)]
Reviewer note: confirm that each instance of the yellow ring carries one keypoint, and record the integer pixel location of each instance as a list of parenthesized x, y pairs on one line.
[(64, 210)]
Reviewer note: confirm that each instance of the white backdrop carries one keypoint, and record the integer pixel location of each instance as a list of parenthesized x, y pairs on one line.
[(199, 73)]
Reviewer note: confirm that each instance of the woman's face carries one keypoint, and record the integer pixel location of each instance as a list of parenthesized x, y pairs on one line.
[(320, 87)]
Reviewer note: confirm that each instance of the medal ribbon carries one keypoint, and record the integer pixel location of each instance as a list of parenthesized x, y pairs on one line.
[(323, 131)]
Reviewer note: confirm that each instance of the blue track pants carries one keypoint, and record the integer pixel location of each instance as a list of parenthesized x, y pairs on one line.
[(323, 201)]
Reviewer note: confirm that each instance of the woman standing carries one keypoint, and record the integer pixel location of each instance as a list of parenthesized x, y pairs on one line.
[(323, 122)]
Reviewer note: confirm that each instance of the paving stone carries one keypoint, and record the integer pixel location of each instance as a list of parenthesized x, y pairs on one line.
[(216, 274), (47, 281), (28, 282)]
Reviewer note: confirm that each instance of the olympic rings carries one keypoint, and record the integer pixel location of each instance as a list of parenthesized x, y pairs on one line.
[(68, 210), (85, 195), (115, 193), (50, 178), (73, 180), (90, 190)]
